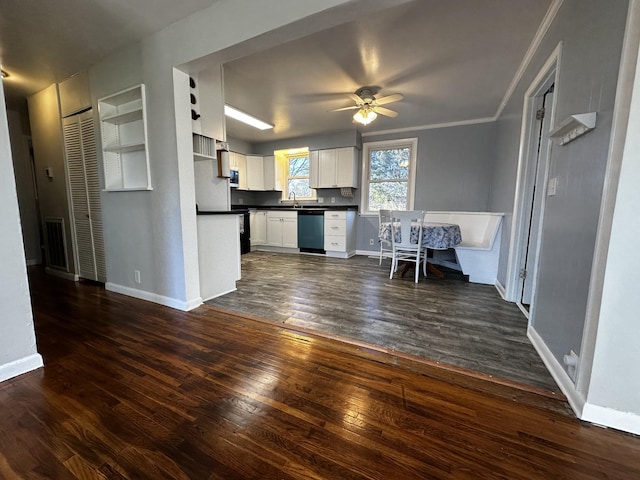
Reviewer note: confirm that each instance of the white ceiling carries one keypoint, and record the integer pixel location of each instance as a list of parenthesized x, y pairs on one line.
[(453, 60)]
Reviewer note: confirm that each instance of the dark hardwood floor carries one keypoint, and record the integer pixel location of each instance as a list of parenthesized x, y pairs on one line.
[(134, 390), (449, 321)]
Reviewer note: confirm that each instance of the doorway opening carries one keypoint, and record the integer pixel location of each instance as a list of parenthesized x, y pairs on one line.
[(532, 187)]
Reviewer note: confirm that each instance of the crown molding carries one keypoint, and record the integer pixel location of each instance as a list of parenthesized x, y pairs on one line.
[(533, 47)]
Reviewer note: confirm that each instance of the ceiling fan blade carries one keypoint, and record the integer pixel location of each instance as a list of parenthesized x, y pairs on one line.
[(396, 97), (385, 111), (353, 107), (355, 98)]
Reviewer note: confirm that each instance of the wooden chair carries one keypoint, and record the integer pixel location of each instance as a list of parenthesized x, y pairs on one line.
[(403, 248), (386, 249)]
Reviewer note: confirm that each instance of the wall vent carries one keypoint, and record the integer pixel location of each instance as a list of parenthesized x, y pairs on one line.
[(55, 243)]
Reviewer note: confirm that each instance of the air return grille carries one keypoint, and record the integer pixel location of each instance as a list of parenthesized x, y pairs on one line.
[(56, 245)]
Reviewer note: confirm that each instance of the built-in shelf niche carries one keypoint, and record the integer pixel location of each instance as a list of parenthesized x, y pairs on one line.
[(573, 127), (124, 140)]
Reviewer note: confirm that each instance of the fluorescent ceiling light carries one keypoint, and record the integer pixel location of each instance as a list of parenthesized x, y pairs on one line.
[(245, 118)]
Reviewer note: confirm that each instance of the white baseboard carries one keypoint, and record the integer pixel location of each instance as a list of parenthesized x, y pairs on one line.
[(575, 398), (608, 417), (59, 273), (33, 261), (501, 290), (216, 296), (154, 297), (369, 253), (18, 367)]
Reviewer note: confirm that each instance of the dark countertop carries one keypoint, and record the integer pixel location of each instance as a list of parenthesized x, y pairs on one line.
[(233, 211), (316, 207)]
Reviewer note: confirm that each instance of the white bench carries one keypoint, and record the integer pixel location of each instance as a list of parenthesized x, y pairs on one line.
[(478, 254)]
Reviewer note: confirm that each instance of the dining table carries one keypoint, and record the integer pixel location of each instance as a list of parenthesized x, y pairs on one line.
[(435, 235)]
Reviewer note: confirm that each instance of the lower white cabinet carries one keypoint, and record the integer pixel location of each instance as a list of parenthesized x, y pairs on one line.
[(258, 227), (282, 229), (339, 233)]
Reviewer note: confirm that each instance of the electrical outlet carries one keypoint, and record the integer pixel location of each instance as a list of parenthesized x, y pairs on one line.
[(371, 241), (333, 199), (320, 199), (551, 186), (241, 201), (136, 276)]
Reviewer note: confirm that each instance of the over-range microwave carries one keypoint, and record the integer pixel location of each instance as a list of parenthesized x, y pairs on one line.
[(233, 178)]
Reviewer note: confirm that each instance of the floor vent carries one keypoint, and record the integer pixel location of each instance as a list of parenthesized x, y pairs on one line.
[(56, 245)]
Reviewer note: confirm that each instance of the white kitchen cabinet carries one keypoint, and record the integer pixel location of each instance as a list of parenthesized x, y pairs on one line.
[(271, 172), (258, 227), (238, 161), (124, 140), (282, 229), (313, 168), (334, 168), (262, 174), (255, 172), (339, 233)]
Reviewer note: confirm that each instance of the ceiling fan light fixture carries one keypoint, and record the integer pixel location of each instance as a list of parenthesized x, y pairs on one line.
[(4, 74), (246, 118), (365, 116)]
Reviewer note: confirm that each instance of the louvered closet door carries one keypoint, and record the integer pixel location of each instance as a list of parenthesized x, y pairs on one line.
[(81, 156)]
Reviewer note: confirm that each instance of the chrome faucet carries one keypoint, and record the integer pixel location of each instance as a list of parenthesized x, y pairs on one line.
[(295, 203)]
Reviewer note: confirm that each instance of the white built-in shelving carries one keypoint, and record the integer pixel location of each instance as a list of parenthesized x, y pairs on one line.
[(124, 140)]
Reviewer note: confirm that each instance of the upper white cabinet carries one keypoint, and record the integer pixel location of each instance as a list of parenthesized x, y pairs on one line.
[(124, 140), (334, 168), (271, 174), (238, 161), (256, 172)]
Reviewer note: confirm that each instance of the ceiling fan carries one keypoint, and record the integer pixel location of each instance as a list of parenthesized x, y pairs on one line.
[(369, 106)]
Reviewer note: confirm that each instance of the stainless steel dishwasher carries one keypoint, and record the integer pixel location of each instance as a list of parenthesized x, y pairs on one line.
[(311, 230)]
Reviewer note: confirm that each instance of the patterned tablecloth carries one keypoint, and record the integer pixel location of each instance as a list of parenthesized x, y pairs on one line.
[(438, 236)]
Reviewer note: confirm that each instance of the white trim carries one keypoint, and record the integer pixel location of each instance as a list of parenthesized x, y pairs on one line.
[(608, 417), (20, 366), (433, 126), (412, 143), (33, 261), (213, 296), (525, 153), (154, 297), (575, 398), (533, 47), (624, 90), (74, 277), (501, 290)]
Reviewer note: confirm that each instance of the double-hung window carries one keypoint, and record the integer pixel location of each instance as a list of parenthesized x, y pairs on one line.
[(388, 175), (297, 181)]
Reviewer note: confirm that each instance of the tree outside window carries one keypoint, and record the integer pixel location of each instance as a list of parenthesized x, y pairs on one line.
[(298, 176), (388, 173)]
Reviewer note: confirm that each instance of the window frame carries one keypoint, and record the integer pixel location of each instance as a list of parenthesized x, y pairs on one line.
[(286, 177), (412, 144)]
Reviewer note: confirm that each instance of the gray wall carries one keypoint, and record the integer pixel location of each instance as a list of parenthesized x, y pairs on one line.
[(592, 33), (48, 149), (18, 352), (24, 175), (454, 172)]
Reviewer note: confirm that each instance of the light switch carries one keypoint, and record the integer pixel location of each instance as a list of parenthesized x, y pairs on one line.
[(551, 186)]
